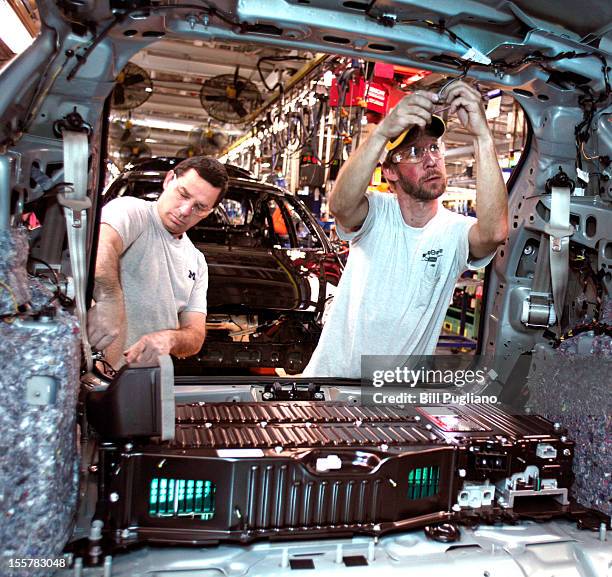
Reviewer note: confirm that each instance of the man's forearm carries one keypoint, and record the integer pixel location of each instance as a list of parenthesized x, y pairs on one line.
[(107, 278), (491, 194), (106, 319), (185, 341)]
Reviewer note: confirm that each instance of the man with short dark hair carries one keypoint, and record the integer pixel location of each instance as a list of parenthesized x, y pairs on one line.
[(407, 250), (151, 281)]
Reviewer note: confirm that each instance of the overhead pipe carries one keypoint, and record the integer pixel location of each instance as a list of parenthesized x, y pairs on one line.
[(467, 150)]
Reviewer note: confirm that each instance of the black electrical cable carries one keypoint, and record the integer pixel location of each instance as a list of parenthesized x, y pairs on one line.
[(108, 371), (596, 327), (319, 112), (82, 58), (214, 11), (53, 271), (441, 26), (59, 294), (343, 84)]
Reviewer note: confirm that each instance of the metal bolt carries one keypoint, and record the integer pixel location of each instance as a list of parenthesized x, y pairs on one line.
[(603, 531), (114, 497), (267, 396), (462, 472), (93, 468), (563, 439), (285, 558), (128, 447), (557, 426), (125, 534), (528, 249), (108, 566), (566, 452)]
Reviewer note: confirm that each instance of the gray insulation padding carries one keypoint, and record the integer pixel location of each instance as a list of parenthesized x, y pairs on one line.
[(13, 258), (38, 455), (572, 385)]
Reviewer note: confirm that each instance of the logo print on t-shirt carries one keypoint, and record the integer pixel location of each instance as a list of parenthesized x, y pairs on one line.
[(432, 256), (192, 275)]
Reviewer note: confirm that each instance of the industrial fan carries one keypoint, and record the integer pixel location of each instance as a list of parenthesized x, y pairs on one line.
[(229, 97), (126, 131), (188, 152), (203, 141), (133, 87), (131, 151)]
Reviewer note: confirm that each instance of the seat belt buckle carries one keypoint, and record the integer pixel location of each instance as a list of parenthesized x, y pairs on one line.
[(78, 206)]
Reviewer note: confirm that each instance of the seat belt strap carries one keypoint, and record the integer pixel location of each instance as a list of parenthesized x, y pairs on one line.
[(559, 230), (76, 204)]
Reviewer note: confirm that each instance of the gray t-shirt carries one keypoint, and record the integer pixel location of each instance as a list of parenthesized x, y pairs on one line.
[(161, 275), (395, 289)]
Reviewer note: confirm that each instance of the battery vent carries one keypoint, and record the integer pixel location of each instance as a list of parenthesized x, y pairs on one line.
[(182, 498), (423, 482)]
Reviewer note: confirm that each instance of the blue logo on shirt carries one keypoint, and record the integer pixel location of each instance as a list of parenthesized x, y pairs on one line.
[(432, 255)]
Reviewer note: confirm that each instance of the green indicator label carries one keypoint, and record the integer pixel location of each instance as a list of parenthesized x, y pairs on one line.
[(182, 498), (423, 482), (198, 496)]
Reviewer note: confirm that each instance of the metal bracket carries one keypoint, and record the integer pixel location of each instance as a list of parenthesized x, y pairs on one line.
[(41, 390), (72, 121), (78, 206)]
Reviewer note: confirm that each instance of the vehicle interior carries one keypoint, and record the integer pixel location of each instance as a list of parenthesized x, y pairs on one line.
[(159, 472)]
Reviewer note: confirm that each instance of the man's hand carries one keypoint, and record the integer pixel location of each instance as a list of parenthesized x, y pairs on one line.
[(183, 342), (414, 109), (148, 348), (104, 322), (466, 102)]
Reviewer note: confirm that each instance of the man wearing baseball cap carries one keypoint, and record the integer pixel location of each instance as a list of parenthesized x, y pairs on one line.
[(407, 250)]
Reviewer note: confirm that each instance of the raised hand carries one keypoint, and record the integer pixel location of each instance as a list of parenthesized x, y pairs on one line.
[(466, 102)]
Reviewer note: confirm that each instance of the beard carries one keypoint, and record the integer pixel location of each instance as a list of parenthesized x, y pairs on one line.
[(422, 189)]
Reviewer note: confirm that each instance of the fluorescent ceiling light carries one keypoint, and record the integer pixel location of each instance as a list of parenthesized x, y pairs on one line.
[(164, 124), (12, 31), (159, 123)]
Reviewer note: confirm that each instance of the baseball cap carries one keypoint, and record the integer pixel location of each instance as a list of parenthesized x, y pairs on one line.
[(435, 127)]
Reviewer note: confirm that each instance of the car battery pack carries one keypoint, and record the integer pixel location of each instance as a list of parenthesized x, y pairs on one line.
[(246, 471)]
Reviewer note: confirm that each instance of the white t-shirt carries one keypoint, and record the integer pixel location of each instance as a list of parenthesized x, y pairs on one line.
[(161, 275), (395, 289)]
